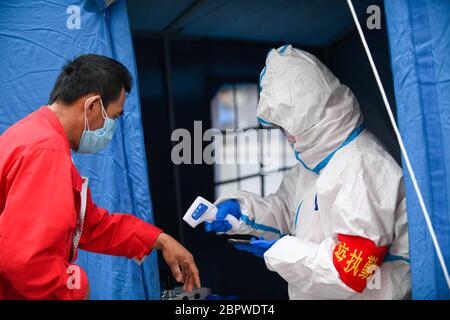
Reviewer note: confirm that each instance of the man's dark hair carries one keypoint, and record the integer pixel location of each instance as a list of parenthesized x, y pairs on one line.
[(91, 73)]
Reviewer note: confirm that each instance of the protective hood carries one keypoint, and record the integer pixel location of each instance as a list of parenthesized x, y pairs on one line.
[(299, 94)]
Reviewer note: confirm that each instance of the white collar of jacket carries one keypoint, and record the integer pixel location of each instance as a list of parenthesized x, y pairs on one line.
[(342, 117)]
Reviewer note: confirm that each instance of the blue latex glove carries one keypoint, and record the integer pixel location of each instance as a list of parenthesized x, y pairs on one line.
[(256, 246), (224, 208)]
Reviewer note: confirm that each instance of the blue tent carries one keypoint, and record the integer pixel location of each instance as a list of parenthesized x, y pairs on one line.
[(36, 39), (419, 35)]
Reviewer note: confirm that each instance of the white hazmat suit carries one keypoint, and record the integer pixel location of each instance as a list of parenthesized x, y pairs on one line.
[(341, 211)]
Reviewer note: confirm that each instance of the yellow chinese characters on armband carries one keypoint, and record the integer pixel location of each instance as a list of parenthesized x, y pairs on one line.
[(356, 258)]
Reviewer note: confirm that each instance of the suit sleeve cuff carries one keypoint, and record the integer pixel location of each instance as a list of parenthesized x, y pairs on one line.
[(144, 241)]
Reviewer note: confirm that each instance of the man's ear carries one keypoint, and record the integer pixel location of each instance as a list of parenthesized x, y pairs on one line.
[(90, 102)]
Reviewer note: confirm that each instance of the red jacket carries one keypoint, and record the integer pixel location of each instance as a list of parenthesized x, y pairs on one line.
[(39, 210)]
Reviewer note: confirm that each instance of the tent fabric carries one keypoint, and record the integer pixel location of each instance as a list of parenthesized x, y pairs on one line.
[(419, 38), (36, 39), (278, 21)]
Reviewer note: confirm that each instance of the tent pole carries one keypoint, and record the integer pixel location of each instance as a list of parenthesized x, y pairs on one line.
[(172, 124)]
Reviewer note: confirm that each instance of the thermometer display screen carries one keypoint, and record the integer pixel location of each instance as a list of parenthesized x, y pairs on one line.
[(199, 211)]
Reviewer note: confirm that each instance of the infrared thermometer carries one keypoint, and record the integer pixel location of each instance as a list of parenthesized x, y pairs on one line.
[(202, 210)]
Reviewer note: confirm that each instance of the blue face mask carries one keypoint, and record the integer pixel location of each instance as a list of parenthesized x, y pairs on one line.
[(94, 141)]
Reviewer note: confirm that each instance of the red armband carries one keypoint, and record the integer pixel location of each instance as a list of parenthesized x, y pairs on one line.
[(354, 259)]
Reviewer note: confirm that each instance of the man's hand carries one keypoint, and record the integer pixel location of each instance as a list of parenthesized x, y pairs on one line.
[(180, 261)]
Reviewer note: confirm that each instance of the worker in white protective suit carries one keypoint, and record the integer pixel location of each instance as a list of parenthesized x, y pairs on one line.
[(336, 228)]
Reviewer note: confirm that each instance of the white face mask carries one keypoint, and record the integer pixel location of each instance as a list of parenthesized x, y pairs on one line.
[(94, 141)]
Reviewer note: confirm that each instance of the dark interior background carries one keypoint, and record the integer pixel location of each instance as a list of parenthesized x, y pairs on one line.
[(209, 48)]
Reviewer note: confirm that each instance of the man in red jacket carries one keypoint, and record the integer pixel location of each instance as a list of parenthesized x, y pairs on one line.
[(46, 210)]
